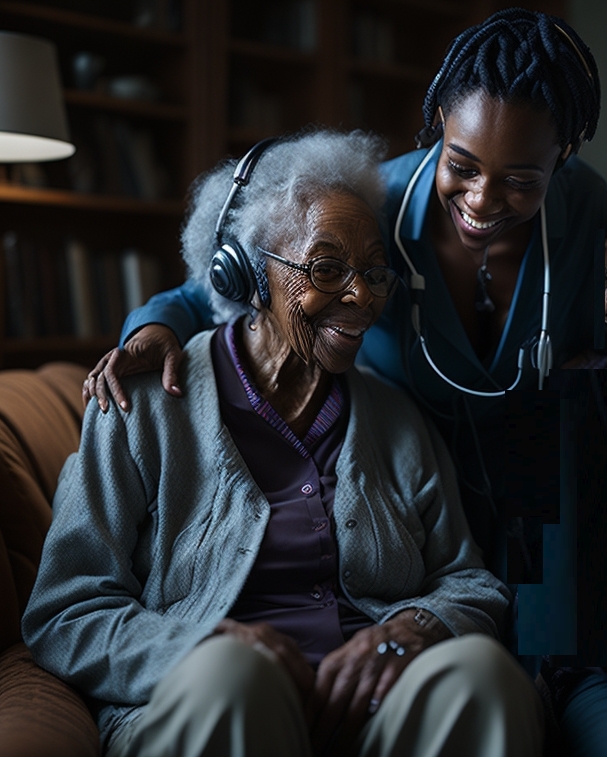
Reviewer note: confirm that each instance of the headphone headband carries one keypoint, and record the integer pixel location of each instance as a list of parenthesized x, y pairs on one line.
[(242, 176), (231, 273)]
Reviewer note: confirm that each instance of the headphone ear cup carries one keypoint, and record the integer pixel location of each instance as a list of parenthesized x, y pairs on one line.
[(232, 274)]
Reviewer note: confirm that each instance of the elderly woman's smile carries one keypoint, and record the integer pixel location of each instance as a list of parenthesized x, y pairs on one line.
[(326, 328)]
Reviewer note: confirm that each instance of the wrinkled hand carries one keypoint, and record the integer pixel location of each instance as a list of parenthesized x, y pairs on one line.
[(152, 348), (353, 680), (263, 637)]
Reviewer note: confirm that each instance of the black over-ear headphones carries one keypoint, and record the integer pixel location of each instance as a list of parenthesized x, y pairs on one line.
[(232, 274)]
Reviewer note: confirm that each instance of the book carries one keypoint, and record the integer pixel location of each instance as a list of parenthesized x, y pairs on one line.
[(79, 269), (30, 288), (48, 291), (107, 284), (13, 277), (140, 276), (113, 176), (142, 175)]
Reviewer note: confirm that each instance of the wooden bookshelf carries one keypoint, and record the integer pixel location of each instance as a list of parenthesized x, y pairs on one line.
[(358, 63), (231, 73), (137, 206)]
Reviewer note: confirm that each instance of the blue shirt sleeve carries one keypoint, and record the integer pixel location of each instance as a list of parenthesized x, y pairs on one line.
[(185, 310)]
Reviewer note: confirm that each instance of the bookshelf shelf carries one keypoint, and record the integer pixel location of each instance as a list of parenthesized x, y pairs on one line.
[(33, 18), (141, 108), (80, 201)]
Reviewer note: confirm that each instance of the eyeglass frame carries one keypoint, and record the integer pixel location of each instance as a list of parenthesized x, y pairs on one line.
[(307, 269)]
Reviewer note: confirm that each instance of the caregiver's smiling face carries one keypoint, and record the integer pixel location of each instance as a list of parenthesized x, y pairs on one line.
[(495, 166)]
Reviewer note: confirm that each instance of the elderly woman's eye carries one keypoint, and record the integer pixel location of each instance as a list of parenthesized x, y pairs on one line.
[(329, 271), (379, 276)]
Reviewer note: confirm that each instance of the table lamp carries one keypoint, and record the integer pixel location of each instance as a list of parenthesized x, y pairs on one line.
[(33, 124)]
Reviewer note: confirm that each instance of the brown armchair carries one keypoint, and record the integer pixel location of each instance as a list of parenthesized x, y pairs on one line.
[(40, 417)]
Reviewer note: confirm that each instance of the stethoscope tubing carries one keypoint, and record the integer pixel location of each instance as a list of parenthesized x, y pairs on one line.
[(417, 285)]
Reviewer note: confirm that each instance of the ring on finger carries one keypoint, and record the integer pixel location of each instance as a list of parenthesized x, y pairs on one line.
[(393, 645)]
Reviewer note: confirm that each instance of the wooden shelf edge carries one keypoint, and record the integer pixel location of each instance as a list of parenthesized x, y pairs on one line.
[(79, 98), (61, 198), (90, 23)]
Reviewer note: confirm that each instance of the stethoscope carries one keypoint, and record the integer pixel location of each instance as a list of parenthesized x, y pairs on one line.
[(542, 359)]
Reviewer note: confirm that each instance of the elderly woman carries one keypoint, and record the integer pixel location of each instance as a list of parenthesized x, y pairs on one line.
[(278, 564)]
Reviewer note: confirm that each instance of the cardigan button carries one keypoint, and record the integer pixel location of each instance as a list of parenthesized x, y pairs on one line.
[(347, 573), (351, 523)]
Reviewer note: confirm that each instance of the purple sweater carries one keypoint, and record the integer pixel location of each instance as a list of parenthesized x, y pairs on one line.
[(293, 585)]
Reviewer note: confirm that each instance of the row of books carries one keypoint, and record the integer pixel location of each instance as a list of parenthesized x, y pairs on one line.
[(284, 23), (372, 37), (112, 157), (73, 290)]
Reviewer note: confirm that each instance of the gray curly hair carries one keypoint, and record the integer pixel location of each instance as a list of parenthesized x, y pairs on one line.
[(271, 210)]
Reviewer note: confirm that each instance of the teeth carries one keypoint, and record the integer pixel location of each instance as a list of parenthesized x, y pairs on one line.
[(352, 334), (476, 224)]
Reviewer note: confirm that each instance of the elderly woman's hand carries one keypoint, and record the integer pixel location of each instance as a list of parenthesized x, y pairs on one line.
[(281, 648), (152, 348), (353, 680)]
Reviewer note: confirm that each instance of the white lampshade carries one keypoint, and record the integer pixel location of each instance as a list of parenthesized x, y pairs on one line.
[(33, 124)]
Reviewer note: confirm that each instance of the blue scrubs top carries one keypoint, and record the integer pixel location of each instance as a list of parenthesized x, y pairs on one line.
[(576, 212)]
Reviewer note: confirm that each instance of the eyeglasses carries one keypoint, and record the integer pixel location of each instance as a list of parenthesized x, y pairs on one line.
[(330, 275)]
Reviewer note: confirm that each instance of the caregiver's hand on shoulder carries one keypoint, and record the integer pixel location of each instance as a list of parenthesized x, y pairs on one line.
[(152, 348), (263, 637), (353, 680)]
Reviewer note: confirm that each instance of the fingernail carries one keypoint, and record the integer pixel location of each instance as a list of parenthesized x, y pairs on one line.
[(124, 405), (176, 389)]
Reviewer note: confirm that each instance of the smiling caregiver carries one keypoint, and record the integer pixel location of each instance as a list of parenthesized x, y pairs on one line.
[(499, 229)]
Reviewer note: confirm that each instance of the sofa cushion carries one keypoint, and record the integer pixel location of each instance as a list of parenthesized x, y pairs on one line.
[(40, 413), (39, 714)]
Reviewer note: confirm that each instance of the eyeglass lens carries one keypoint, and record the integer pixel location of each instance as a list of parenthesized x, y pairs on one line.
[(331, 275)]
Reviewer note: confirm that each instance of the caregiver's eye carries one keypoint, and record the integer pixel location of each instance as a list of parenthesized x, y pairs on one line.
[(462, 171)]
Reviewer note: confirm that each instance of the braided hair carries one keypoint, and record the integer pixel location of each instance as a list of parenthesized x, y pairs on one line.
[(520, 56)]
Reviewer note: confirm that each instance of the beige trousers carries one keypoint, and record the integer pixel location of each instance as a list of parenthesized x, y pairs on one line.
[(464, 697)]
